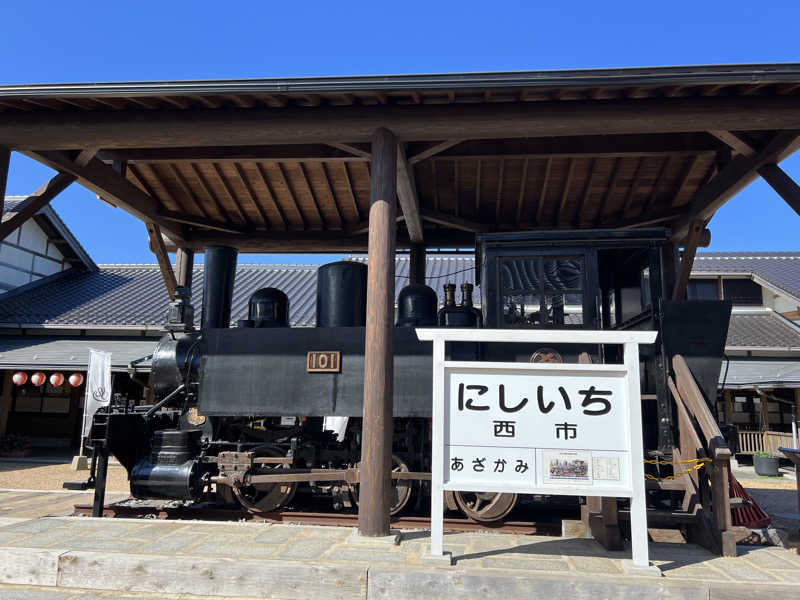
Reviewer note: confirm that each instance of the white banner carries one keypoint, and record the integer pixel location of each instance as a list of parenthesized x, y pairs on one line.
[(98, 386)]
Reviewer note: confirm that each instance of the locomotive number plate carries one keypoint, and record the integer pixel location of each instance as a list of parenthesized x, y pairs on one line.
[(324, 362)]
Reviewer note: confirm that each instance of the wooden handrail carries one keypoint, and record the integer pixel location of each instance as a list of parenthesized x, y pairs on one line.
[(697, 406), (693, 407)]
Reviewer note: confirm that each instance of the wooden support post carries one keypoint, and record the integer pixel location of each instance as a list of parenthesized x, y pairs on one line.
[(184, 264), (689, 251), (764, 410), (728, 395), (376, 443), (416, 264), (5, 401), (5, 159)]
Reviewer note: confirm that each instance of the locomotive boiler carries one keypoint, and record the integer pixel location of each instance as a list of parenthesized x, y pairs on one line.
[(249, 413)]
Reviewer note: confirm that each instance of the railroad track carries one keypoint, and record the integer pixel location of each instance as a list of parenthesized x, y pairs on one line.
[(311, 518)]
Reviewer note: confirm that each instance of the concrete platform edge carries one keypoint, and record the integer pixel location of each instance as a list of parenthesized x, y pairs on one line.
[(302, 579)]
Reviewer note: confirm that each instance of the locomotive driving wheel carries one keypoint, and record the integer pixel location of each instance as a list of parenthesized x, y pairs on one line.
[(265, 497), (401, 488), (485, 507)]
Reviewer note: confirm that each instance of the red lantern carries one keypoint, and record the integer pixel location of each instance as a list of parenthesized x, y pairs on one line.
[(38, 378), (56, 379), (76, 379), (20, 378)]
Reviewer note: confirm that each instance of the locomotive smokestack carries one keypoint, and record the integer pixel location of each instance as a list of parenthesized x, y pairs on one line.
[(219, 271)]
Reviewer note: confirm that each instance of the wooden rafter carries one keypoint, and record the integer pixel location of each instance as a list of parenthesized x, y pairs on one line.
[(522, 187), (587, 190), (34, 203), (229, 192), (104, 181), (543, 191), (565, 191), (407, 197), (310, 191), (350, 192), (295, 205), (683, 179), (780, 181), (194, 221), (251, 195), (271, 196), (326, 181), (632, 191), (184, 185), (612, 184), (210, 193), (160, 250), (499, 196), (433, 150)]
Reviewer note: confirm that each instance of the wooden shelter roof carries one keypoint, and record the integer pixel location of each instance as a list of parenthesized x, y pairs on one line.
[(284, 164)]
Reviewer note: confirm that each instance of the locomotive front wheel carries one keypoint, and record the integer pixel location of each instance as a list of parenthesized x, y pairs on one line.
[(266, 497), (401, 488), (485, 507)]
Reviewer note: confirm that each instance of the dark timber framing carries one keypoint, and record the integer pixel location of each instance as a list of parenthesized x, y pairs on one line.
[(34, 203), (320, 164)]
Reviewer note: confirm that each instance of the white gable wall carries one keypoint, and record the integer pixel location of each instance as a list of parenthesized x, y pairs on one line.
[(27, 255)]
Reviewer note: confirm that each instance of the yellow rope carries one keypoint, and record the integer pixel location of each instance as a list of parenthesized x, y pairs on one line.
[(697, 463)]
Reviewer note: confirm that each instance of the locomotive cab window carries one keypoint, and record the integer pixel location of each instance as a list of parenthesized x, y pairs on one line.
[(542, 291)]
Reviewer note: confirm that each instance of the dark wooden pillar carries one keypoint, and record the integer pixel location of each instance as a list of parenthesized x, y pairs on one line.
[(5, 159), (376, 440), (184, 264), (416, 264)]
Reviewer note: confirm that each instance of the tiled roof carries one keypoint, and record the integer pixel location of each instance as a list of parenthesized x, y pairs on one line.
[(762, 328), (781, 269), (134, 295)]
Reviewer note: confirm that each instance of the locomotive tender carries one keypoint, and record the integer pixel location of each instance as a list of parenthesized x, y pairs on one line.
[(249, 413)]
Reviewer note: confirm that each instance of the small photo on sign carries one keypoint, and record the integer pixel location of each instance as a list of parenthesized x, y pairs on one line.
[(605, 468), (567, 465)]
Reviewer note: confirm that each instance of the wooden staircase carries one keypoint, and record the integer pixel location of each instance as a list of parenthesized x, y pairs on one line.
[(705, 508)]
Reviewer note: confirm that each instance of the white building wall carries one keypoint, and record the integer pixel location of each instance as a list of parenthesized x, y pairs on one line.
[(27, 255)]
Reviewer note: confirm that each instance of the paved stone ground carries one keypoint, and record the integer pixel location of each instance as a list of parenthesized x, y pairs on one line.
[(282, 547)]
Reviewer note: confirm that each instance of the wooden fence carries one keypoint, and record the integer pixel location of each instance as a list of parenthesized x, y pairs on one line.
[(764, 441)]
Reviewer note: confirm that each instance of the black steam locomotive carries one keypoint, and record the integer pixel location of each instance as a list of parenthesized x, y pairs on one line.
[(249, 413)]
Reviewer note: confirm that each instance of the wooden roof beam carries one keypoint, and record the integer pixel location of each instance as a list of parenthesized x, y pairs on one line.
[(734, 176), (433, 150), (452, 222), (34, 203), (780, 181), (160, 250), (407, 196), (50, 130), (316, 241), (734, 141), (104, 181), (689, 251), (354, 150)]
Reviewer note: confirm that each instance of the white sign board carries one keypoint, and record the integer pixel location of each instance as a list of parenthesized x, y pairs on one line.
[(559, 429)]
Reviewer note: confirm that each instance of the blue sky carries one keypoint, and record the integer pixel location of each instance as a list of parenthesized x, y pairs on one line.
[(104, 41)]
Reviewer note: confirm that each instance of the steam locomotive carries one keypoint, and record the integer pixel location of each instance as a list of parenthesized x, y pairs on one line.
[(251, 412)]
